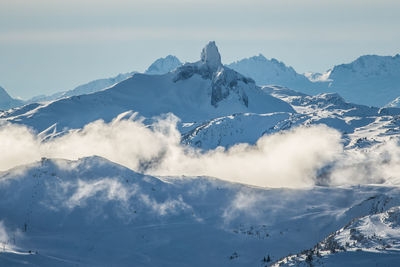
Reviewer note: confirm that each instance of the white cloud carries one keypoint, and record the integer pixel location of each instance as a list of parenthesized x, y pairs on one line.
[(288, 159), (294, 158)]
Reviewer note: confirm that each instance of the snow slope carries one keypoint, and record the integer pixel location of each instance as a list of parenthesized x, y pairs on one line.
[(233, 129), (6, 101), (92, 212), (197, 91), (361, 126), (372, 240)]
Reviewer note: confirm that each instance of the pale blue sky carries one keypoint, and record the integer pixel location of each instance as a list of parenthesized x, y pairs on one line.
[(52, 45)]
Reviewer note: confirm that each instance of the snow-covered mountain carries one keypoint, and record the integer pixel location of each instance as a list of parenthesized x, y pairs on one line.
[(164, 65), (87, 88), (360, 125), (6, 101), (93, 212), (369, 80), (273, 72), (194, 92), (160, 66)]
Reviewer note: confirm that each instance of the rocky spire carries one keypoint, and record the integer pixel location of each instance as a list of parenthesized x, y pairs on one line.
[(210, 56)]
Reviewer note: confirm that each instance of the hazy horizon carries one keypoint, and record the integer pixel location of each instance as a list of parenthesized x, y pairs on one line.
[(50, 46)]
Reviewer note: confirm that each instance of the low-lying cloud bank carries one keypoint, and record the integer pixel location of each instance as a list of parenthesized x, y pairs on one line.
[(289, 159)]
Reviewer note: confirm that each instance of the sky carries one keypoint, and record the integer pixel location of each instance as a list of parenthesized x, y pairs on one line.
[(48, 46)]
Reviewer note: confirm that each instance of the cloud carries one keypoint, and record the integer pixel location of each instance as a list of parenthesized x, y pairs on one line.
[(287, 159), (300, 157), (376, 165), (18, 146)]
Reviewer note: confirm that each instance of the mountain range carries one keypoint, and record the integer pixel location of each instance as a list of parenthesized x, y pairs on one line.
[(199, 164), (194, 92), (369, 80)]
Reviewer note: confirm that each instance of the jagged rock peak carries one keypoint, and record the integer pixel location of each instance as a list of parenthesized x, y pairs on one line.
[(210, 56)]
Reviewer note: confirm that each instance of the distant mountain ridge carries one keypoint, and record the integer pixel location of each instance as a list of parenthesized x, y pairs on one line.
[(273, 72), (86, 88), (369, 80), (6, 101), (164, 65), (160, 66)]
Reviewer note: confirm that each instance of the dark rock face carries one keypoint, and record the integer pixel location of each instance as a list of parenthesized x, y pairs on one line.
[(224, 81), (228, 81), (210, 56)]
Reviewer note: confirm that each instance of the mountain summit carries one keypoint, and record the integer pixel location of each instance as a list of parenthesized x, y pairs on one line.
[(210, 56), (225, 82)]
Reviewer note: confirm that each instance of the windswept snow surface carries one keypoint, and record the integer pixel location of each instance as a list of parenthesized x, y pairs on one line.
[(92, 212)]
